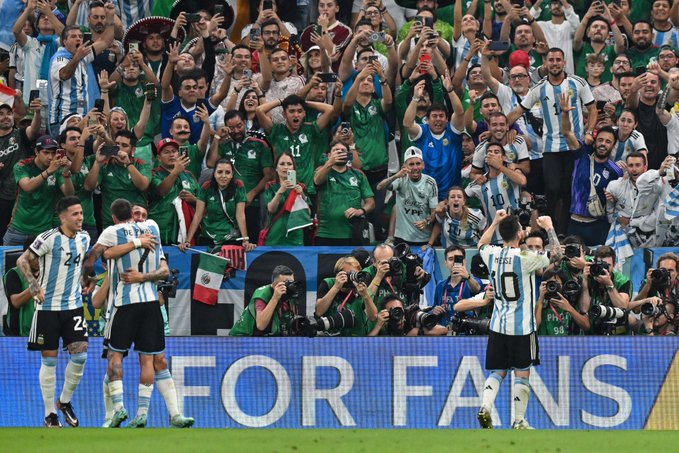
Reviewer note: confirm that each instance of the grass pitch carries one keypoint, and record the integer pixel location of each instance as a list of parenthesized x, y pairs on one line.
[(15, 440)]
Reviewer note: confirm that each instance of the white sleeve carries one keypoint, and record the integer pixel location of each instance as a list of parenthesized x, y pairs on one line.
[(107, 238), (504, 95), (473, 190), (530, 99), (41, 245), (532, 261), (521, 149), (586, 95), (487, 250), (479, 159)]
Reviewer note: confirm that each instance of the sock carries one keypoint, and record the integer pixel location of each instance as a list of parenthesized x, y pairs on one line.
[(490, 389), (521, 395), (145, 392), (73, 375), (108, 404), (166, 388), (48, 383), (115, 389)]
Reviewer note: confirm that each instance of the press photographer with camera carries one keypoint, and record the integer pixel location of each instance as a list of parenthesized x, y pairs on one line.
[(658, 297), (348, 290), (557, 311), (610, 293), (396, 271), (396, 320), (459, 285), (663, 280), (271, 308)]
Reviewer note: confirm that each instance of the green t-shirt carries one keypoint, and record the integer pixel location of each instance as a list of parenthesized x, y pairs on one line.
[(641, 58), (250, 158), (33, 211), (132, 98), (85, 196), (115, 182), (217, 225), (195, 155), (339, 192), (368, 125), (355, 304), (306, 146), (278, 234), (608, 53), (163, 209)]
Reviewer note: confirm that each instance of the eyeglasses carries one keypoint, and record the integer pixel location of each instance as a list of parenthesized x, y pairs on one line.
[(517, 76), (372, 13)]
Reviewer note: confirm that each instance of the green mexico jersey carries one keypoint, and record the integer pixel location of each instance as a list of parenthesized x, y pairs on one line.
[(305, 145), (33, 210), (250, 158), (217, 225), (195, 155), (368, 126), (339, 192), (115, 182), (278, 233), (132, 98), (164, 209), (608, 53)]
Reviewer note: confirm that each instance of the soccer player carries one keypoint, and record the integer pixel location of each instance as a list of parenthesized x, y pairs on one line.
[(58, 254), (136, 316), (512, 342)]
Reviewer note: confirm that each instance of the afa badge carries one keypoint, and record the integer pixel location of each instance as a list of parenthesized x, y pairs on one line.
[(445, 142)]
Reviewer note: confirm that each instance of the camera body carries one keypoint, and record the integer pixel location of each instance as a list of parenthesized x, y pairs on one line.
[(607, 314), (292, 290), (661, 278), (599, 268), (651, 310), (572, 251), (552, 290), (463, 324), (357, 277), (415, 317), (168, 287)]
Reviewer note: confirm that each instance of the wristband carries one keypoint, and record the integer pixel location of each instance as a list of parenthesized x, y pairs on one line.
[(137, 243), (67, 175), (610, 288), (42, 173), (375, 282)]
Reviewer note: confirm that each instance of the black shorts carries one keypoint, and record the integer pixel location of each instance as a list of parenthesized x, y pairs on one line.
[(48, 326), (141, 324), (104, 351), (506, 352)]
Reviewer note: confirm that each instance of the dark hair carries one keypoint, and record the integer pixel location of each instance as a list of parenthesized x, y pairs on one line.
[(241, 46), (129, 134), (96, 4), (436, 107), (280, 270), (556, 49), (64, 134), (605, 251), (121, 209), (277, 50), (496, 114), (638, 155), (278, 158), (454, 248), (180, 117), (642, 21), (391, 297), (293, 99), (67, 202), (669, 256), (241, 109), (230, 190), (610, 130), (67, 29), (625, 74), (598, 18), (363, 21), (364, 50), (537, 234), (189, 76), (509, 228), (489, 144), (196, 74), (488, 95), (632, 112), (231, 114), (576, 240), (552, 272), (268, 23)]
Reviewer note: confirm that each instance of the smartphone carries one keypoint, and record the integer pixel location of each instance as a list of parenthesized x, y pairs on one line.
[(133, 47), (292, 177), (424, 58), (219, 9), (192, 17), (600, 105), (110, 150), (328, 77), (519, 3), (377, 36), (183, 150), (458, 260), (99, 105), (255, 33), (92, 121), (345, 127), (61, 153), (418, 21), (617, 2), (427, 21), (373, 59), (318, 30), (500, 46), (247, 73), (87, 37), (267, 4), (34, 94), (480, 35), (223, 51), (150, 91)]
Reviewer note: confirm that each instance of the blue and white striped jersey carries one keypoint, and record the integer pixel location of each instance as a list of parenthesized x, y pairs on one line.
[(495, 194), (453, 232), (515, 152), (508, 101), (669, 37), (512, 274), (134, 293), (60, 258), (70, 95), (635, 142), (547, 95)]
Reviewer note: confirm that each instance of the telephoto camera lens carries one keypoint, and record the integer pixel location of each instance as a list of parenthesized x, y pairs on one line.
[(604, 313), (359, 277), (649, 309)]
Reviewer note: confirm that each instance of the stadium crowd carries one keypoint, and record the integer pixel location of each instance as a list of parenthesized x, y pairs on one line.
[(344, 123)]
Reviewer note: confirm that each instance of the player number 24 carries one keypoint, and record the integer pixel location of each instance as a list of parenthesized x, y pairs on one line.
[(70, 261)]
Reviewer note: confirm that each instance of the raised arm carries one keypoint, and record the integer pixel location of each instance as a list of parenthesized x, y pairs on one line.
[(409, 124), (566, 128), (167, 93), (263, 114)]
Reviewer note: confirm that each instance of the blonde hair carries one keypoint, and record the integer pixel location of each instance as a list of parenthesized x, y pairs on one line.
[(346, 260)]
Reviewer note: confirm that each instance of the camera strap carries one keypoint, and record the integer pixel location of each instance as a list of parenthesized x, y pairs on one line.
[(556, 313), (346, 299)]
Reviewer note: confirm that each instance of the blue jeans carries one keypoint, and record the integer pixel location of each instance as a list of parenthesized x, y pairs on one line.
[(16, 238)]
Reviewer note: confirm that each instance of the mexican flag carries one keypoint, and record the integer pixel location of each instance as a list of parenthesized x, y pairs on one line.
[(209, 278), (6, 94), (300, 216)]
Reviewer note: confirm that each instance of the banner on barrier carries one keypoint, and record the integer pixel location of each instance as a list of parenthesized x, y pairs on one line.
[(583, 383)]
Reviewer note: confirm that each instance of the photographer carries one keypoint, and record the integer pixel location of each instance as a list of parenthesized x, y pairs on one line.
[(347, 290), (459, 285), (402, 275), (396, 320), (657, 316), (662, 281), (271, 308), (608, 288), (556, 309)]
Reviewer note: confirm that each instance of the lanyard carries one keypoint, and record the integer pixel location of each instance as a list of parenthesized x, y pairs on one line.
[(445, 294), (346, 299)]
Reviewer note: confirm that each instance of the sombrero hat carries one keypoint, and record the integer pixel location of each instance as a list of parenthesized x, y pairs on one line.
[(139, 30), (193, 6), (412, 4)]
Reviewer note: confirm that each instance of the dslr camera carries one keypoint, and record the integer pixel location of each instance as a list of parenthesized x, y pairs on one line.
[(357, 277), (661, 278), (168, 287), (292, 290), (572, 251), (606, 314), (463, 324), (303, 326), (599, 268), (651, 310)]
